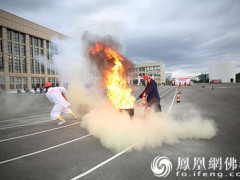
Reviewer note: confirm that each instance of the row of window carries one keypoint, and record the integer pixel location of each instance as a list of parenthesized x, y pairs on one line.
[(34, 41), (143, 69), (19, 65), (22, 82), (17, 39), (15, 36), (14, 47), (151, 74)]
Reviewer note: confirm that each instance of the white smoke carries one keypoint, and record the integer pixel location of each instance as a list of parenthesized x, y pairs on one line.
[(117, 131), (114, 129)]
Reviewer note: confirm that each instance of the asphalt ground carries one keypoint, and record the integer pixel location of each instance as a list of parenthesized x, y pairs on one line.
[(34, 147)]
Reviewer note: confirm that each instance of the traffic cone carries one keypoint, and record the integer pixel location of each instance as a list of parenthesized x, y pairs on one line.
[(179, 91), (178, 98)]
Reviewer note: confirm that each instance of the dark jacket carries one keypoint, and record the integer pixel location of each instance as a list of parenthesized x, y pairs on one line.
[(151, 91)]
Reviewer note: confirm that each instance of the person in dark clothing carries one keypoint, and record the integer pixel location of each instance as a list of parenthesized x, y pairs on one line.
[(151, 93)]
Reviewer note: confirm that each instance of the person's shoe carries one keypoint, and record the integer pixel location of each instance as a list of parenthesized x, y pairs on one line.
[(61, 122), (75, 118)]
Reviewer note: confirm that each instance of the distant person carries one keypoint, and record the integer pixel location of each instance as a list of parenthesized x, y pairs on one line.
[(151, 94), (19, 91), (41, 89), (35, 89), (56, 95)]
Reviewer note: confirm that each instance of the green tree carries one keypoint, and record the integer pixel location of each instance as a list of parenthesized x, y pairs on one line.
[(238, 77)]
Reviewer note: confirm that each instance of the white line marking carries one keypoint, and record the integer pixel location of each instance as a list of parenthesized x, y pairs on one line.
[(166, 92), (111, 158), (43, 150), (104, 162), (23, 118), (9, 127), (172, 103), (40, 132)]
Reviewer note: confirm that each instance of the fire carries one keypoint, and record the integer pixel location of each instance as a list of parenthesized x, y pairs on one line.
[(118, 92)]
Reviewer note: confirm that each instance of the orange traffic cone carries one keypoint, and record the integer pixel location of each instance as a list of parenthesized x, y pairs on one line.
[(178, 98)]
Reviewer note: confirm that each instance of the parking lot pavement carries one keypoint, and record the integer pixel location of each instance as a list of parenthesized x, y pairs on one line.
[(33, 147)]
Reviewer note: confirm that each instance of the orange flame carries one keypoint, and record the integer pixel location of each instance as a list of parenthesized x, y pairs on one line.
[(117, 90)]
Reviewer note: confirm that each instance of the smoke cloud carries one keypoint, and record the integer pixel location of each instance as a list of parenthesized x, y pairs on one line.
[(115, 129), (101, 61)]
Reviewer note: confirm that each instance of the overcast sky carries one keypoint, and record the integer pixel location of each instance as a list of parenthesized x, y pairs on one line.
[(186, 35)]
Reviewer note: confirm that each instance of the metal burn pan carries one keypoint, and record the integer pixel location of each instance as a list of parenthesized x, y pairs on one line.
[(129, 111)]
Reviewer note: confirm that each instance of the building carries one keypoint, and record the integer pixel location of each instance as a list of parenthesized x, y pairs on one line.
[(203, 78), (154, 69), (22, 43), (223, 71), (169, 77)]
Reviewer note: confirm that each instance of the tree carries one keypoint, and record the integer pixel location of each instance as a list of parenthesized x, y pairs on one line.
[(238, 77)]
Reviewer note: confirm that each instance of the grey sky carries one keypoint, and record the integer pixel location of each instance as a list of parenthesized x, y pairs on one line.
[(187, 35)]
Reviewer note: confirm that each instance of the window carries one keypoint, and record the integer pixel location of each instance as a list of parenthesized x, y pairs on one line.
[(1, 63), (32, 82), (151, 68), (10, 64), (9, 48), (11, 82), (1, 46), (48, 55), (31, 52), (52, 80), (24, 65), (32, 66), (37, 82), (47, 44), (37, 67), (2, 82), (41, 52), (17, 64), (36, 52), (142, 69), (23, 50), (16, 36), (42, 81), (22, 36), (35, 41), (0, 32), (9, 35), (16, 49), (18, 83), (41, 43), (57, 82), (42, 69), (30, 40), (25, 82)]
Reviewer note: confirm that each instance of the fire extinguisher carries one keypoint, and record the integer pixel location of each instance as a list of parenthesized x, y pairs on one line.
[(144, 100)]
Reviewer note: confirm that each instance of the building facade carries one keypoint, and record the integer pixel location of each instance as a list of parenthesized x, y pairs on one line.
[(22, 45), (154, 69), (223, 71)]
